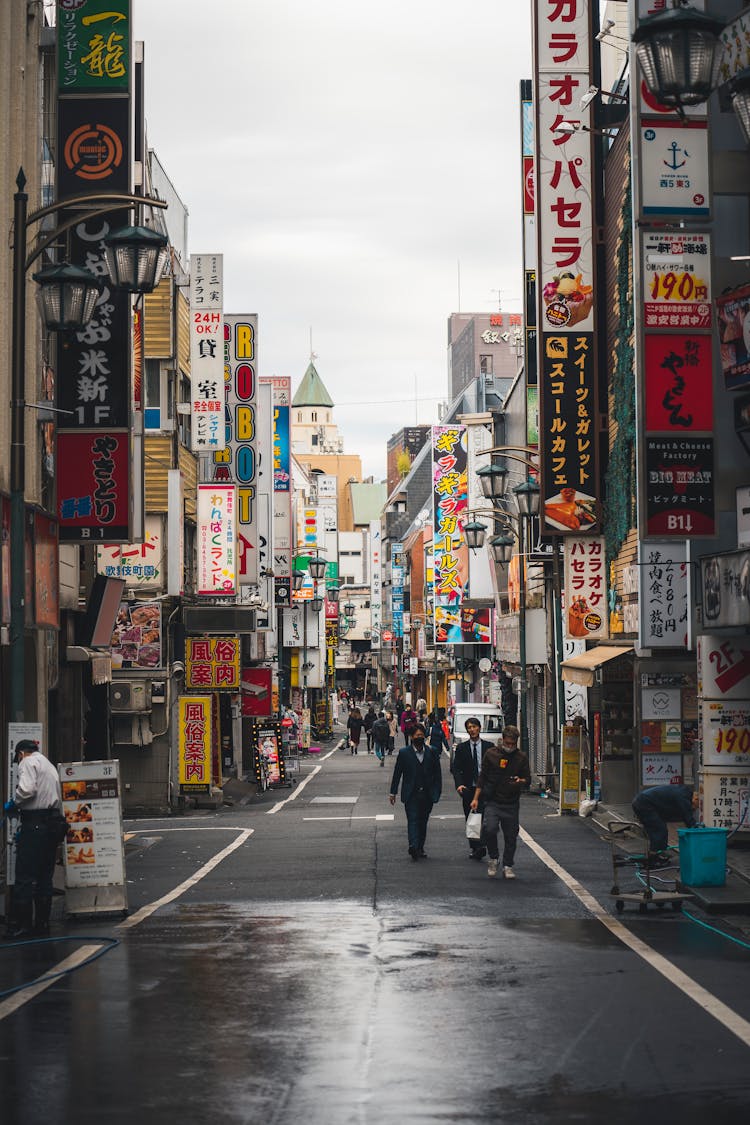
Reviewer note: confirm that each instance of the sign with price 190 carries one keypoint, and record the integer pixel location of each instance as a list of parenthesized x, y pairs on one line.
[(726, 733)]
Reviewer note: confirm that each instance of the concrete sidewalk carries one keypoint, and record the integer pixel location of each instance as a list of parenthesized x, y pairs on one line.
[(733, 898)]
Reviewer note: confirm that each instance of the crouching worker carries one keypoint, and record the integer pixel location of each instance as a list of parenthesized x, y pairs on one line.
[(655, 807)]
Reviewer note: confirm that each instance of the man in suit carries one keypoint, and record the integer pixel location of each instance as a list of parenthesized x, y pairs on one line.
[(467, 762), (418, 770)]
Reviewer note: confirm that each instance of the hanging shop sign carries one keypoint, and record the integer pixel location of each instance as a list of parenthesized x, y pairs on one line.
[(450, 553), (194, 724), (568, 435), (725, 580), (376, 584), (93, 852), (679, 383), (236, 457), (207, 353), (733, 316), (94, 147), (585, 589), (680, 486), (217, 540), (674, 168), (256, 689), (93, 486), (282, 476), (93, 46), (136, 640), (212, 663), (677, 280), (397, 588), (724, 667), (141, 565), (663, 596), (725, 730)]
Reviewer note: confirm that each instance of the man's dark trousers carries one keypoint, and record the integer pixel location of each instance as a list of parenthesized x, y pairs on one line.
[(417, 809), (655, 825), (501, 816)]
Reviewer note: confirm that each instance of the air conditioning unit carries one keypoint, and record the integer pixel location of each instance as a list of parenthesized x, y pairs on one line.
[(131, 730), (133, 696)]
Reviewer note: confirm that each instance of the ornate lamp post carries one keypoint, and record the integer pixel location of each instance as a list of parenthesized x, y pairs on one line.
[(679, 52), (68, 298)]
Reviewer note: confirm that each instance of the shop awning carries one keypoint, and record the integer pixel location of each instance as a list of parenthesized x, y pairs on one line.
[(580, 669)]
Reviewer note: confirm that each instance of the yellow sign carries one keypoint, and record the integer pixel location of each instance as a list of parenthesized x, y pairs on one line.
[(212, 663), (570, 768), (194, 725)]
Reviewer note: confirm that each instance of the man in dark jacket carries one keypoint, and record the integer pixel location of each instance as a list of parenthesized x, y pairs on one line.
[(370, 718), (418, 770), (503, 775), (659, 804), (467, 762), (381, 734)]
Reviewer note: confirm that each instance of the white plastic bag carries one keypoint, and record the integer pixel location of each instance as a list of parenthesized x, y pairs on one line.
[(474, 826)]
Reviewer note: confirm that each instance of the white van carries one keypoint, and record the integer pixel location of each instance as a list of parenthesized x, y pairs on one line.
[(489, 714)]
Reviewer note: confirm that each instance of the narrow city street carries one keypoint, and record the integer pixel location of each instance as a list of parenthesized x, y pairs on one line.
[(285, 960)]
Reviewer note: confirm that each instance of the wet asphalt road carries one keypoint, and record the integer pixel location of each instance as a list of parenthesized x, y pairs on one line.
[(317, 974)]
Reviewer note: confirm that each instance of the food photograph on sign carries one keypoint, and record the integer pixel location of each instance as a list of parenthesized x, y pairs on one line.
[(733, 315), (136, 640)]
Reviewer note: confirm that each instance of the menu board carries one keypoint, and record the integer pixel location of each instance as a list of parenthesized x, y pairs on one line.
[(93, 849), (136, 640)]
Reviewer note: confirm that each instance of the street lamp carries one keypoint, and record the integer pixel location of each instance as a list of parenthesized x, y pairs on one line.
[(527, 498), (333, 593), (350, 609), (68, 298), (679, 51)]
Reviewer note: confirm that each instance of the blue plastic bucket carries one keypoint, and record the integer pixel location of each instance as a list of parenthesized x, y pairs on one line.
[(703, 856)]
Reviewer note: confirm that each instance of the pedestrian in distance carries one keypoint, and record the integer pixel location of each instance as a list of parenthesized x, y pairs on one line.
[(408, 722), (418, 772), (658, 805), (354, 727), (369, 719), (381, 733), (393, 724), (503, 775), (38, 801), (436, 735), (467, 762)]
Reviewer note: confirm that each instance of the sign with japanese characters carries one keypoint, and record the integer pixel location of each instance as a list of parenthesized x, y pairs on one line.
[(93, 45), (725, 581), (567, 434), (663, 595), (217, 540), (397, 588), (376, 587), (450, 553), (679, 486), (93, 486), (661, 769), (142, 565), (93, 851), (586, 613), (733, 316), (207, 353), (679, 382), (677, 280), (725, 729), (724, 667), (674, 168), (194, 726), (725, 797), (93, 364), (212, 663)]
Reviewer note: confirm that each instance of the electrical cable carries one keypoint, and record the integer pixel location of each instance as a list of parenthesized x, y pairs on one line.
[(111, 944)]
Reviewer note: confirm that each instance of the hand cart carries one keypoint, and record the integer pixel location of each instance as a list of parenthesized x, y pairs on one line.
[(646, 896)]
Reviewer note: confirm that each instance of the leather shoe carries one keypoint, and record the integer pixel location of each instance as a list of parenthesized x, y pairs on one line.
[(413, 852), (422, 853), (478, 853)]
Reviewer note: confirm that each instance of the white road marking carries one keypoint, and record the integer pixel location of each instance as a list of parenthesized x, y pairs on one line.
[(380, 816), (334, 801), (161, 831), (694, 991), (13, 1003), (150, 908), (293, 796)]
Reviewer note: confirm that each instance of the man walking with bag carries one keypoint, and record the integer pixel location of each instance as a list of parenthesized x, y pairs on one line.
[(418, 770), (467, 762), (502, 777)]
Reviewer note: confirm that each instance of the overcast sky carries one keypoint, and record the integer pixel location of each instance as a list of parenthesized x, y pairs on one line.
[(344, 158)]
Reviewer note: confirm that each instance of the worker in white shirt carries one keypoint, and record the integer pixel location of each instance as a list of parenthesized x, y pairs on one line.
[(38, 800)]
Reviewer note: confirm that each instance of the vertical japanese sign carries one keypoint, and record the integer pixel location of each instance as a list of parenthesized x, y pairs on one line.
[(194, 726), (529, 261), (93, 45), (585, 589), (93, 486), (376, 591), (236, 458), (397, 588), (212, 663), (206, 352), (664, 595), (566, 283), (450, 553), (217, 540), (282, 476)]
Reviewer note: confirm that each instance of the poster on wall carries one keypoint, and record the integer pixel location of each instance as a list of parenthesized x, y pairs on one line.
[(661, 769), (677, 280), (733, 316), (725, 728), (586, 614), (136, 640), (663, 604), (93, 852)]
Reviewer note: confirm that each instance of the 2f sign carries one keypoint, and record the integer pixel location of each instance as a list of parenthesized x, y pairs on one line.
[(724, 667)]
